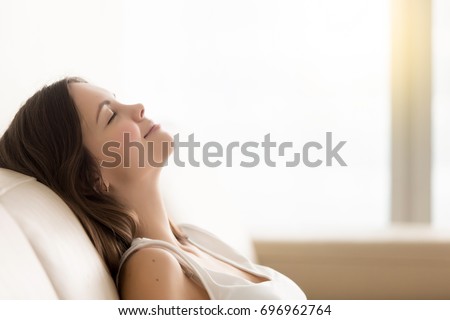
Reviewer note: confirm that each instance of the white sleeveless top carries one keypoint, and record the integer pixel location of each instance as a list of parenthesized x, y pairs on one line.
[(220, 285)]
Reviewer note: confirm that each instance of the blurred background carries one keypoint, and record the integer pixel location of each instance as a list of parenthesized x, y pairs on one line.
[(374, 73)]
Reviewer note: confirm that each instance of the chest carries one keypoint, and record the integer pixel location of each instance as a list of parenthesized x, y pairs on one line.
[(212, 263)]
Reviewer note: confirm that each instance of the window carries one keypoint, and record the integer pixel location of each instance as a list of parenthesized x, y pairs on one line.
[(441, 113)]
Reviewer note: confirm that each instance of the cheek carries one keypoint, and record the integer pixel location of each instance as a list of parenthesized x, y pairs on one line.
[(121, 145), (125, 132), (106, 146)]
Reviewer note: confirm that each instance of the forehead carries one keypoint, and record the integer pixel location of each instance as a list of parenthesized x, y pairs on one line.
[(87, 97)]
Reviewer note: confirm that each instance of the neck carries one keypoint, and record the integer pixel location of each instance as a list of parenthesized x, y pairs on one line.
[(146, 200)]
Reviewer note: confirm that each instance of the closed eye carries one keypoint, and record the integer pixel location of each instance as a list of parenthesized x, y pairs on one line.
[(112, 117)]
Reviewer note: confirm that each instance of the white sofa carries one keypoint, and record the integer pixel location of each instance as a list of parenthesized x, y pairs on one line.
[(45, 253), (44, 250)]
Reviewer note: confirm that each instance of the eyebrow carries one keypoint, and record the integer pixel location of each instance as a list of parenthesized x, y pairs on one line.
[(100, 106)]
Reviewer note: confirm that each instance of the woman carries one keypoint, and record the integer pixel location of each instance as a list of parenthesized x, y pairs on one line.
[(69, 135)]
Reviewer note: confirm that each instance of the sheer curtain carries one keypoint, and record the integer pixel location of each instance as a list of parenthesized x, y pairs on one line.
[(441, 113)]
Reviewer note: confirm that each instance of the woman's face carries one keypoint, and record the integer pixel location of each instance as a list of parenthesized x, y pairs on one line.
[(119, 135)]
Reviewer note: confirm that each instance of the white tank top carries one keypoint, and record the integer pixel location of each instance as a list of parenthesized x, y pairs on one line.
[(220, 285)]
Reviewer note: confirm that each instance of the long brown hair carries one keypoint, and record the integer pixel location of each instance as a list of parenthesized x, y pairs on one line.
[(44, 140)]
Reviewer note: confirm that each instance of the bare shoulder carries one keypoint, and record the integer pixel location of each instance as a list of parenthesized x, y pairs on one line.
[(155, 274)]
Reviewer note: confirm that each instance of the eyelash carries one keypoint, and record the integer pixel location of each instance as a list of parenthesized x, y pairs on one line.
[(112, 117)]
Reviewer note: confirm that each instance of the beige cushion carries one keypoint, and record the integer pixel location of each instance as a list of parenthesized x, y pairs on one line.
[(45, 251), (22, 276)]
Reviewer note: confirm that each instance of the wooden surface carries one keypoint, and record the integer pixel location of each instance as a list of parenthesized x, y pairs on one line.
[(345, 269)]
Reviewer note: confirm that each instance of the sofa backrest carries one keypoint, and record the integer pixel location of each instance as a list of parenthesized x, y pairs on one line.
[(45, 252)]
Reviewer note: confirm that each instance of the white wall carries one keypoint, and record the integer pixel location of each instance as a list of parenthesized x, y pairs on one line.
[(43, 41)]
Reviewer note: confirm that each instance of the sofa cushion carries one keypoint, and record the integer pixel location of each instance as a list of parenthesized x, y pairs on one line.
[(22, 276), (48, 233)]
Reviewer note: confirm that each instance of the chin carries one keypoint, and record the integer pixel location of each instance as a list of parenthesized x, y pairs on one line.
[(167, 140), (159, 159)]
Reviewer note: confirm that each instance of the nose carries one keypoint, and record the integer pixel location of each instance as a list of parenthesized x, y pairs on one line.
[(138, 112)]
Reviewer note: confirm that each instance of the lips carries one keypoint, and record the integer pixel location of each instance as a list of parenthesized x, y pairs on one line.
[(152, 128), (149, 130)]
